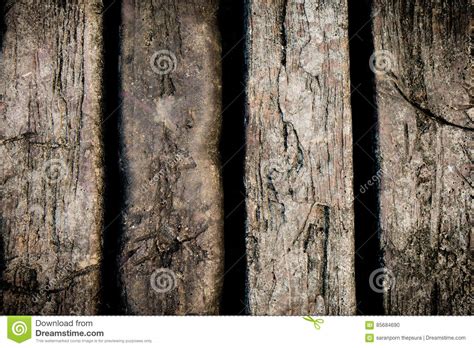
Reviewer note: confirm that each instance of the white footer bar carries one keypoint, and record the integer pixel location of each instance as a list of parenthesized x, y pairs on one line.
[(228, 332)]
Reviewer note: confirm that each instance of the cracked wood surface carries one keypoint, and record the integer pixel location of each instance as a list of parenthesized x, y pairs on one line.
[(173, 220), (300, 233), (424, 101), (50, 145)]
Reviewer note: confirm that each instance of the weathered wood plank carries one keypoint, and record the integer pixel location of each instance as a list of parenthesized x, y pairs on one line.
[(172, 257), (299, 159), (424, 100), (50, 145)]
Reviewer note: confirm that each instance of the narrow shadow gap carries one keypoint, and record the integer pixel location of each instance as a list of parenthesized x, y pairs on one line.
[(231, 19), (3, 12), (114, 200), (365, 157)]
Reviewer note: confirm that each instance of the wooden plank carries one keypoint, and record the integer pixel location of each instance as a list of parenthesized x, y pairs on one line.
[(172, 257), (422, 64), (299, 159), (50, 145)]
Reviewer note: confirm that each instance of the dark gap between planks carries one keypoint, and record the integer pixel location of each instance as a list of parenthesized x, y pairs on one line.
[(365, 157), (114, 195), (231, 19)]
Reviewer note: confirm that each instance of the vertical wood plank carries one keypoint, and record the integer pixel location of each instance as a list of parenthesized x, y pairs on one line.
[(50, 145), (424, 99), (172, 257), (300, 234)]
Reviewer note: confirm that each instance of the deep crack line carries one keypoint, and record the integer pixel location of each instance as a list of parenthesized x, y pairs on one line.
[(425, 111)]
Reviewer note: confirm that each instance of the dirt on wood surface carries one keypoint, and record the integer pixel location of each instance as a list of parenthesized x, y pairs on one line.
[(172, 257)]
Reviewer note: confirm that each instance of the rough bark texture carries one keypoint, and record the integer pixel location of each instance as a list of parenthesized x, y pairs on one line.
[(424, 100), (172, 257), (300, 234), (51, 176)]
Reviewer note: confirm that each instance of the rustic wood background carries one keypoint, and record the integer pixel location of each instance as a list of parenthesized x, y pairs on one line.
[(114, 196)]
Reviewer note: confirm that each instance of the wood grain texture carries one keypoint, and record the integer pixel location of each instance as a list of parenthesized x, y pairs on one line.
[(300, 233), (50, 145), (424, 100), (172, 257)]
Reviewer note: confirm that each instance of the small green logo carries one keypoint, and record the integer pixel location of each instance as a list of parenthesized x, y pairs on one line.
[(316, 322), (19, 328), (369, 325), (369, 338)]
